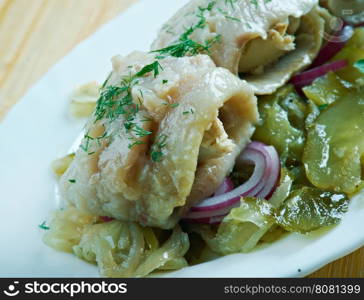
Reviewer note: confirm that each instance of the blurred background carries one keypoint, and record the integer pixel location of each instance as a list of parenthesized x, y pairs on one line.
[(35, 34)]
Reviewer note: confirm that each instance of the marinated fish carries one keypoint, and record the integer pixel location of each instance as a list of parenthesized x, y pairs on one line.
[(163, 136)]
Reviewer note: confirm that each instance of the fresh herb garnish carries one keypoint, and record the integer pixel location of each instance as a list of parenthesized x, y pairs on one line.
[(87, 140), (185, 45), (44, 226), (231, 2), (116, 101), (157, 148), (360, 65), (172, 105), (72, 180), (227, 16), (188, 112), (254, 2)]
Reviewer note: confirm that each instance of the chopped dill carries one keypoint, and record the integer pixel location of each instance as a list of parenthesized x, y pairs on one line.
[(172, 105), (231, 2), (85, 147), (115, 101), (157, 148), (227, 16), (140, 132), (185, 45), (254, 2), (135, 143), (44, 226), (188, 112)]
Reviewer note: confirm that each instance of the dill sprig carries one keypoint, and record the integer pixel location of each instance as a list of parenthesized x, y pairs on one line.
[(157, 148), (115, 101), (227, 16), (44, 226), (185, 45), (231, 2)]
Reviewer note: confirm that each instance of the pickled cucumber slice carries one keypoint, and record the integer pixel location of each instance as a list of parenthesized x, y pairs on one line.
[(335, 145)]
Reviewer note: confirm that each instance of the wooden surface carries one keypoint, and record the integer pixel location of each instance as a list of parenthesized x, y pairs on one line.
[(34, 34)]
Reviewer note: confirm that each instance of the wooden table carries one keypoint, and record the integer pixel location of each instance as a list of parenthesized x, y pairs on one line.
[(34, 34)]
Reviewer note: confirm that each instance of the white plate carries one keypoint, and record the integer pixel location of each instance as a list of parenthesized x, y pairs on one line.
[(39, 129)]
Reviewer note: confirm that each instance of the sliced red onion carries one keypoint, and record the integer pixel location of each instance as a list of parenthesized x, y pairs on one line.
[(208, 220), (106, 219), (250, 155), (306, 78), (226, 186), (261, 184), (272, 173), (333, 46)]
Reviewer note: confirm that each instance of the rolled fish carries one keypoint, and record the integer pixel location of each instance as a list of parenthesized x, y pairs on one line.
[(266, 42), (164, 135)]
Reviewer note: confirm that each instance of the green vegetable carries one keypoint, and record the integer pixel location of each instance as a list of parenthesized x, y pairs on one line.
[(241, 230), (157, 148), (352, 52), (325, 90), (308, 209), (335, 145), (44, 226), (302, 210), (283, 120)]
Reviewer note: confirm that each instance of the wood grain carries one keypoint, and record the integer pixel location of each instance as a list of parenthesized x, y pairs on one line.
[(34, 34)]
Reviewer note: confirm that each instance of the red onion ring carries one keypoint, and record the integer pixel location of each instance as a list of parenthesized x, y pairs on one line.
[(306, 78), (333, 46), (106, 219), (226, 186), (261, 184)]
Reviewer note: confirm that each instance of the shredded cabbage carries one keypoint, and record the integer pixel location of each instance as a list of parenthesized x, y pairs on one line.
[(83, 100), (120, 249)]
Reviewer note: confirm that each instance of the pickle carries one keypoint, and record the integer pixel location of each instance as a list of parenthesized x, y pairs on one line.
[(308, 209), (334, 148), (352, 52), (326, 90), (283, 117)]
